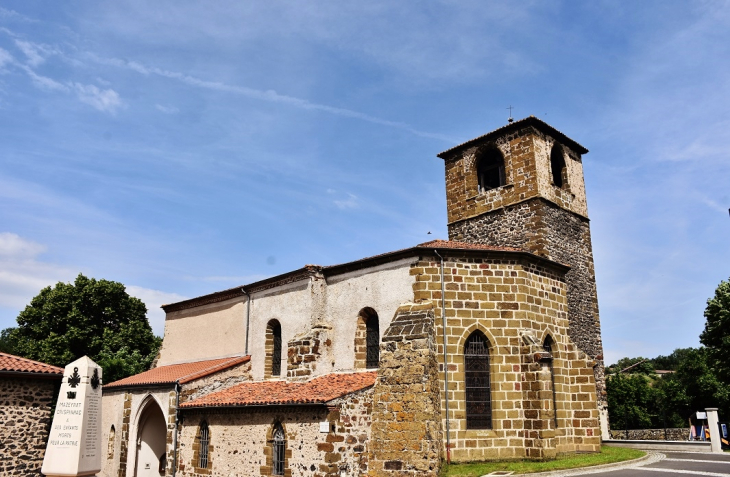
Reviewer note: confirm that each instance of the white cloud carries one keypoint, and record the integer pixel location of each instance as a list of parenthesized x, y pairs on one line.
[(12, 245), (44, 82), (352, 202), (35, 53), (106, 100), (166, 109), (22, 275), (154, 299), (5, 58)]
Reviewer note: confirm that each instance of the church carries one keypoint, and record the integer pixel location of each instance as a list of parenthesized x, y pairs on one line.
[(483, 346)]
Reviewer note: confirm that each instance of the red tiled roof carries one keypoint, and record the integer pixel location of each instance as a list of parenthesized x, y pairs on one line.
[(181, 373), (15, 364), (317, 391), (454, 245)]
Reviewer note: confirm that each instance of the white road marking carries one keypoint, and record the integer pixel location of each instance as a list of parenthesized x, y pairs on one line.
[(700, 460), (692, 472)]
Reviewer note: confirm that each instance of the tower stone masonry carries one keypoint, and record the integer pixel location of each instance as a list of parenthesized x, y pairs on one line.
[(540, 206)]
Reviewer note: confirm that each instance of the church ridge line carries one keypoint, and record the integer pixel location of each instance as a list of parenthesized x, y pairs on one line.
[(308, 271)]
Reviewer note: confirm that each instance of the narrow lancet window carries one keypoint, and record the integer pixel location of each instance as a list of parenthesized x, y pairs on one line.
[(203, 441), (273, 349), (548, 347), (478, 391), (557, 166), (279, 457)]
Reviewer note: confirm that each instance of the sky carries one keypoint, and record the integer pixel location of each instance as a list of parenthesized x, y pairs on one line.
[(183, 148)]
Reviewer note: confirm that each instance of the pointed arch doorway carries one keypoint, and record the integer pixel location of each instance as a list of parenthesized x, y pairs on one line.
[(151, 440)]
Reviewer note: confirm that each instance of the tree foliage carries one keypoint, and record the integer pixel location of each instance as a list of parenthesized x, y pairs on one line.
[(89, 317), (716, 336)]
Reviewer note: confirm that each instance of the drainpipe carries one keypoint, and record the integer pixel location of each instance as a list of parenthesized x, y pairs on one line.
[(248, 315), (446, 366), (177, 420)]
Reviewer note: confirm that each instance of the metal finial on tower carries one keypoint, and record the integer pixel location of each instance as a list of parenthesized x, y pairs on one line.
[(510, 120)]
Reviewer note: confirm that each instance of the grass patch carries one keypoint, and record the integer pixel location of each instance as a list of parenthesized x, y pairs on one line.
[(608, 455)]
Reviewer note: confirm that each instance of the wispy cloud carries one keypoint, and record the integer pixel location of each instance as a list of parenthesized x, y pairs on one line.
[(22, 273), (106, 100), (166, 109), (154, 299), (35, 53), (351, 202), (264, 95)]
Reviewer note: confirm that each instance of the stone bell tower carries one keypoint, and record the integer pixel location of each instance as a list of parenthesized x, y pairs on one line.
[(522, 186)]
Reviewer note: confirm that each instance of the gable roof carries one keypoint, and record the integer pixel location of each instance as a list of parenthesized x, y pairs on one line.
[(11, 364), (178, 373), (517, 125), (319, 390), (445, 246)]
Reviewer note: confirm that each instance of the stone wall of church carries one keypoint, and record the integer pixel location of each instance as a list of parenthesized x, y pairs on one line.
[(516, 305), (406, 431), (240, 439), (25, 416), (563, 237)]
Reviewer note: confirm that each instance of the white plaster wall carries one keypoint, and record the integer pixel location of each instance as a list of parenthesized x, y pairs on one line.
[(383, 288), (112, 409), (205, 332), (291, 305)]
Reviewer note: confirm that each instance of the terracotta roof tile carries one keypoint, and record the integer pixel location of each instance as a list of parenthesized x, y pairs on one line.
[(182, 373), (15, 364), (317, 391), (454, 245)]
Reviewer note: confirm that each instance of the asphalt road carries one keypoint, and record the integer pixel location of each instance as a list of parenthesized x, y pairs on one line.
[(668, 463)]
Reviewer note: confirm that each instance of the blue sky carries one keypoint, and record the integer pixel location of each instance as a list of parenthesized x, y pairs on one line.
[(182, 148)]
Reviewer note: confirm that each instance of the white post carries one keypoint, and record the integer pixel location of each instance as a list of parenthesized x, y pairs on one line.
[(712, 422)]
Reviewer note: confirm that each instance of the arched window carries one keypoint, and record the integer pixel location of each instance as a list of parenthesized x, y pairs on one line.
[(367, 339), (478, 391), (548, 347), (273, 349), (279, 454), (110, 445), (557, 166), (490, 169), (203, 441)]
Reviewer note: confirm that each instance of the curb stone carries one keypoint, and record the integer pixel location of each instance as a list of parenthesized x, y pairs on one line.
[(651, 457)]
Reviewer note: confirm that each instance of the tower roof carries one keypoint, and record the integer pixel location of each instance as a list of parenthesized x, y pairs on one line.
[(522, 123)]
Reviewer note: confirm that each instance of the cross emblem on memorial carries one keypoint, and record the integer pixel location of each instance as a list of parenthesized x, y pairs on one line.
[(74, 379)]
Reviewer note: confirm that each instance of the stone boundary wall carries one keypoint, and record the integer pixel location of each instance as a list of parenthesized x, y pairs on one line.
[(25, 415), (672, 434), (406, 430)]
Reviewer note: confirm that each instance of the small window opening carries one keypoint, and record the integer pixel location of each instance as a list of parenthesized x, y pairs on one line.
[(274, 344), (557, 166), (490, 169), (204, 440), (478, 391), (279, 450), (373, 340), (548, 347), (110, 445)]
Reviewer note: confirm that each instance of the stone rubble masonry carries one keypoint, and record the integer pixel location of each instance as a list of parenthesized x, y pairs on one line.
[(516, 304), (304, 351), (241, 439), (669, 434), (25, 418), (531, 213), (406, 421)]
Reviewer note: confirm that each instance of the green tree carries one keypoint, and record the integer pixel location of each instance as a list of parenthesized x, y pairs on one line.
[(632, 402), (716, 335), (633, 366), (7, 344), (672, 361), (89, 317)]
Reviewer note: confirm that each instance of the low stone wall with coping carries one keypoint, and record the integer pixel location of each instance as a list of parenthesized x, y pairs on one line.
[(669, 434)]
